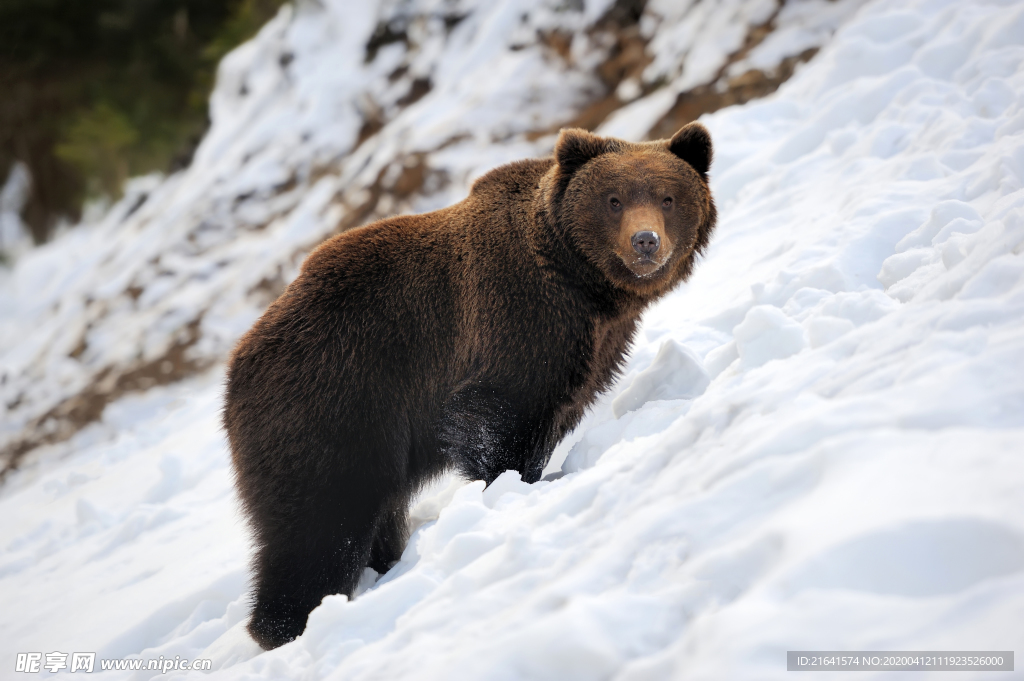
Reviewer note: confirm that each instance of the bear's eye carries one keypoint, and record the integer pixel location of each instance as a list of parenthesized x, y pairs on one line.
[(615, 203), (667, 203)]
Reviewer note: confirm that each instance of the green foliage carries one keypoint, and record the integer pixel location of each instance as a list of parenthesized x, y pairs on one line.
[(95, 91), (99, 143)]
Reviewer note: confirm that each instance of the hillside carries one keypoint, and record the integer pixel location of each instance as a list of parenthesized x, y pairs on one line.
[(815, 444)]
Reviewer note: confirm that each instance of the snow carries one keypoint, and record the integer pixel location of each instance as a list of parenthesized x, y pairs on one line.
[(816, 443), (14, 236)]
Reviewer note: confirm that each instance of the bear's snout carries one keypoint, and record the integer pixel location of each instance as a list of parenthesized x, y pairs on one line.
[(646, 243), (643, 244)]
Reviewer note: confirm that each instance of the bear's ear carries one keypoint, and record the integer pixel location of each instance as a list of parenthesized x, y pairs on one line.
[(693, 144), (576, 146)]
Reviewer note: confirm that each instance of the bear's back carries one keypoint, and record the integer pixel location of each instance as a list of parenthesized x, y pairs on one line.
[(427, 290)]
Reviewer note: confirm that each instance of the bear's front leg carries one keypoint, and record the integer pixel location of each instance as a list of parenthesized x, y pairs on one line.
[(392, 534), (484, 432)]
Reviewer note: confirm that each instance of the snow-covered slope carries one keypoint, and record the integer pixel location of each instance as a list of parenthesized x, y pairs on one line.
[(817, 443), (338, 113)]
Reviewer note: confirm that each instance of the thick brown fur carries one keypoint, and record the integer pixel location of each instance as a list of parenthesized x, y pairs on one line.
[(471, 338)]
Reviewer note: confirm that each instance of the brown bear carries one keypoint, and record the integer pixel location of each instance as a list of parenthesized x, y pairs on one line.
[(469, 339)]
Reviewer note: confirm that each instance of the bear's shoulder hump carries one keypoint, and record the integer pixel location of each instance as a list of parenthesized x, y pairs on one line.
[(516, 177)]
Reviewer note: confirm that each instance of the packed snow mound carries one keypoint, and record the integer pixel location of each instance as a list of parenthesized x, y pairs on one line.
[(832, 459)]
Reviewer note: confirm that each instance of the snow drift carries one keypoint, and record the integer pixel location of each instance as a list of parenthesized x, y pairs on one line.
[(817, 441)]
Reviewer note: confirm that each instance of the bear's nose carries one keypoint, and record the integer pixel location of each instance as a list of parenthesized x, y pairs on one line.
[(646, 243)]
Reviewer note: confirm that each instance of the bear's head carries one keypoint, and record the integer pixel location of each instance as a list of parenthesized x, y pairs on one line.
[(640, 212)]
